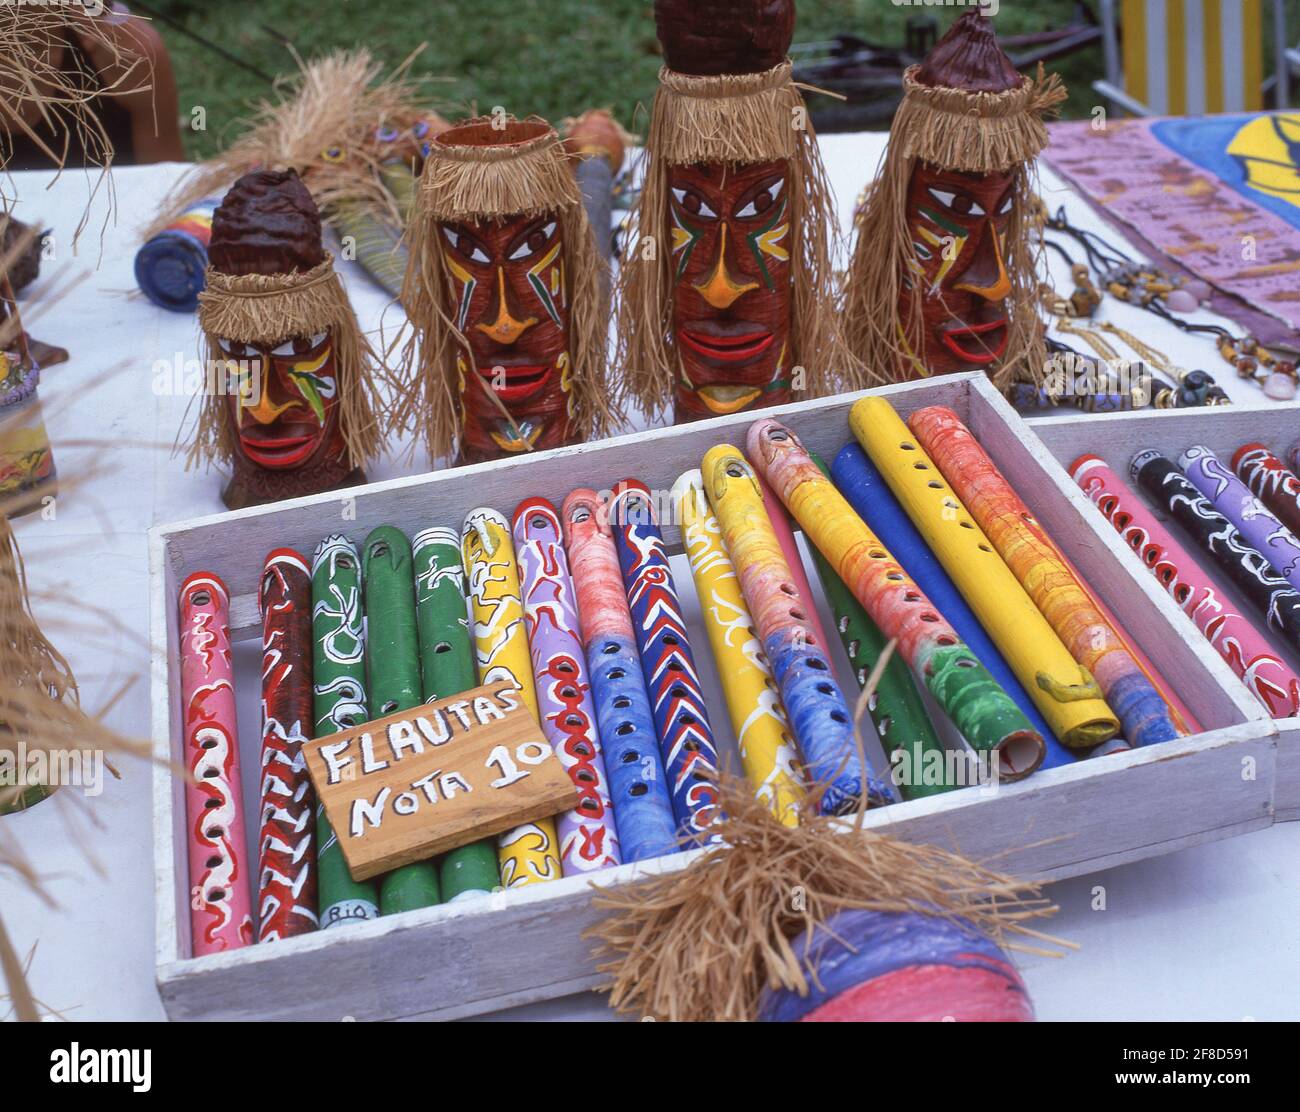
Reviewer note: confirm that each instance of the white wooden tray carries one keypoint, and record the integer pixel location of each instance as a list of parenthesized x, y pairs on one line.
[(1224, 429), (525, 945)]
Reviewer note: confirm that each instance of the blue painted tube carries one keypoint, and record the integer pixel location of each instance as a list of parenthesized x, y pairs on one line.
[(170, 269), (671, 677), (867, 492), (638, 788)]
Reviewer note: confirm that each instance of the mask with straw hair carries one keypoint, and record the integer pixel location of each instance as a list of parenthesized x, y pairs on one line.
[(506, 350), (944, 274), (726, 295)]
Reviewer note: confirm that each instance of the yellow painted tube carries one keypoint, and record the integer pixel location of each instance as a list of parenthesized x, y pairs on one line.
[(528, 854), (753, 704), (1065, 693)]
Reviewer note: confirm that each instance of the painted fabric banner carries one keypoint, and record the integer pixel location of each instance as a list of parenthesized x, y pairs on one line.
[(1216, 196)]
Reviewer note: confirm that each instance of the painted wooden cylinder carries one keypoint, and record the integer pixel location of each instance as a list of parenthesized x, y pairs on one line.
[(588, 836), (865, 489), (446, 669), (1066, 694), (821, 719), (638, 786), (286, 869), (979, 708), (27, 471), (672, 680), (1273, 598), (170, 268), (221, 914), (883, 967), (339, 702), (1271, 481), (758, 718), (529, 853), (1045, 574), (918, 766), (1202, 597), (393, 672), (1259, 527)]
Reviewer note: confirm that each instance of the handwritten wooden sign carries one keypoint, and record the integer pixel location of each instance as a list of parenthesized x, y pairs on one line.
[(418, 783)]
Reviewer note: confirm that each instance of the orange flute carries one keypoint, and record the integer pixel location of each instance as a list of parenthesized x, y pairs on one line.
[(1045, 574)]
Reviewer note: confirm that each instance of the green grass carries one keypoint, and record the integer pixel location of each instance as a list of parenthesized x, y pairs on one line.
[(552, 57)]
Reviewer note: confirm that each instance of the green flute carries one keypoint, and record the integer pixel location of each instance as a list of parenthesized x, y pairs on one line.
[(897, 708), (447, 668), (393, 665), (339, 702)]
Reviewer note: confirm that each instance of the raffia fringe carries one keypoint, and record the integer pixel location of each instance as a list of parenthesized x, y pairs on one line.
[(738, 120), (499, 178), (528, 178), (976, 132), (264, 308)]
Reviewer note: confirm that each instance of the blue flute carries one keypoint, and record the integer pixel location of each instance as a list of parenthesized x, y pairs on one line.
[(638, 788), (681, 719)]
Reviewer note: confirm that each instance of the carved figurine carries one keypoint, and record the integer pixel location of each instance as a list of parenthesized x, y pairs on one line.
[(943, 276)]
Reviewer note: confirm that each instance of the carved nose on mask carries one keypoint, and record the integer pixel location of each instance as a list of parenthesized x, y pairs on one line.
[(720, 289), (264, 411), (505, 329), (986, 277)]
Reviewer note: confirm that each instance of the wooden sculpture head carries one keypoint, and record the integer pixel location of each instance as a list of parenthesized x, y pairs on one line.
[(285, 412)]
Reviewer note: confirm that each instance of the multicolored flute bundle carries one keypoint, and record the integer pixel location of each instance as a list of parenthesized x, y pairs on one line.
[(529, 853), (1044, 573), (588, 837), (638, 785), (758, 717), (822, 721), (286, 884), (1066, 693), (980, 709), (1273, 597), (1200, 595), (672, 679), (221, 916), (1271, 481)]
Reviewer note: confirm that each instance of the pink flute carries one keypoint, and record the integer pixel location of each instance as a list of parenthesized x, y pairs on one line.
[(1246, 651), (1036, 561), (588, 837), (221, 916), (790, 550)]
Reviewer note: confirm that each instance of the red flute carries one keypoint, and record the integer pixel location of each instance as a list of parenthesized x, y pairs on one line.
[(286, 873), (221, 915), (1271, 481)]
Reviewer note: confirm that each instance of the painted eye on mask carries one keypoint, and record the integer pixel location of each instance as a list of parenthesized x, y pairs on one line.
[(957, 202), (1006, 205), (235, 348), (465, 246), (762, 202), (693, 203), (534, 242), (297, 345)]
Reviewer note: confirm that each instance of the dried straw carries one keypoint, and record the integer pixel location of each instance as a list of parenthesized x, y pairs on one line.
[(494, 169), (266, 308), (970, 132)]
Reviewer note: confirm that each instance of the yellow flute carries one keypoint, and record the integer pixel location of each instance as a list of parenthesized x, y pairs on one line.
[(757, 716), (1064, 692), (528, 854)]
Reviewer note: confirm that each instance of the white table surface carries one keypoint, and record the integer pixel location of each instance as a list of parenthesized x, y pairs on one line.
[(1205, 933)]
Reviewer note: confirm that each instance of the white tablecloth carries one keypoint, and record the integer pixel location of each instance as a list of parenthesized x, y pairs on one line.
[(1206, 933)]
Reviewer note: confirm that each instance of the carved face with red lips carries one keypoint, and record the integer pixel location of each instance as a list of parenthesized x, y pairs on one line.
[(959, 223), (731, 303), (511, 303), (285, 407)]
